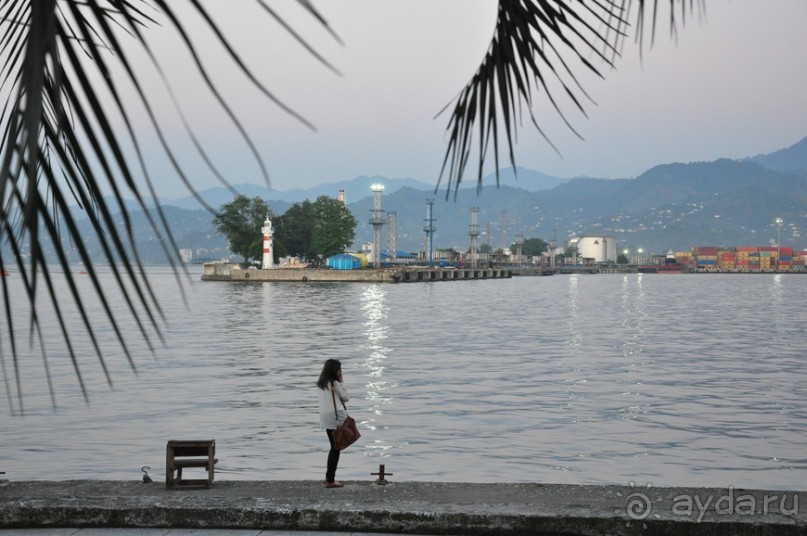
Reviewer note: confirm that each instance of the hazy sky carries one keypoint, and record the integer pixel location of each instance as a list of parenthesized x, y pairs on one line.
[(733, 85)]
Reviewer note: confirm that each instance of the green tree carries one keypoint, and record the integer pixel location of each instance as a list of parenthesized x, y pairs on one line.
[(622, 259), (68, 132), (485, 248), (295, 230), (316, 230), (334, 226), (532, 247), (241, 221)]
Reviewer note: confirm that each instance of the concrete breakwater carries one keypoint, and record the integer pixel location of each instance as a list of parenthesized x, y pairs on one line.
[(409, 274), (407, 507)]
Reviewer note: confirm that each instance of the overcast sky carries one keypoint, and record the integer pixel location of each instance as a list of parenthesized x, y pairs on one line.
[(733, 85)]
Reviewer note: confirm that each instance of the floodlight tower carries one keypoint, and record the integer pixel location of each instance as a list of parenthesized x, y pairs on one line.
[(392, 236), (377, 223), (779, 222), (429, 229), (501, 229), (474, 232)]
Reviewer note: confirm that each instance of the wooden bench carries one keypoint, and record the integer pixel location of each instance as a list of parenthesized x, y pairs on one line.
[(181, 454)]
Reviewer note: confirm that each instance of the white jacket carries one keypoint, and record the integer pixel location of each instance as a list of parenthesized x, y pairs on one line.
[(327, 417)]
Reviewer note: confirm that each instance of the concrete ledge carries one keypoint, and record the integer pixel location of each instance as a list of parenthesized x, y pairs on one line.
[(407, 507)]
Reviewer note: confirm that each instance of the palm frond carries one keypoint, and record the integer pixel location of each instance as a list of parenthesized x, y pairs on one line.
[(61, 143), (538, 46)]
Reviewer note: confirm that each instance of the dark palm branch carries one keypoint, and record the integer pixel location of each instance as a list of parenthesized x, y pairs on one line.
[(538, 47), (61, 145)]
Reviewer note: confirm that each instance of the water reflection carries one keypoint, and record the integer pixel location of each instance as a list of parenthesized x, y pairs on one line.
[(776, 310), (632, 341), (376, 330)]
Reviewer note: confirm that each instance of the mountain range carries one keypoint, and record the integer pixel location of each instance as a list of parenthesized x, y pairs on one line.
[(669, 207)]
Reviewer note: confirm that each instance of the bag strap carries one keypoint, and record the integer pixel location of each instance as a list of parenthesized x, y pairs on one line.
[(333, 395)]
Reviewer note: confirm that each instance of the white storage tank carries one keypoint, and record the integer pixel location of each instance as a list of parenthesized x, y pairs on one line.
[(600, 248)]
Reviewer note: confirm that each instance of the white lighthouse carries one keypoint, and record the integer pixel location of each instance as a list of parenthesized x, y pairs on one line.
[(268, 257)]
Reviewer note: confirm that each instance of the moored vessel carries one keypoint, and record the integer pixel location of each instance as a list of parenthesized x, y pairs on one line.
[(670, 266)]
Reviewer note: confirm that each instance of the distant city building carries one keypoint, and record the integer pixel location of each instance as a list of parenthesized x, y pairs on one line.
[(186, 255)]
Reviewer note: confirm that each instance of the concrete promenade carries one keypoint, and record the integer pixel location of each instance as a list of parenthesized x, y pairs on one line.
[(403, 507)]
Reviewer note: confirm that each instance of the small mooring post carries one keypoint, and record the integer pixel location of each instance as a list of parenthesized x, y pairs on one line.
[(381, 474)]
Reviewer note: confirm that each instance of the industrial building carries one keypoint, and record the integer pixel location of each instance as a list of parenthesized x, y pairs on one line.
[(594, 248)]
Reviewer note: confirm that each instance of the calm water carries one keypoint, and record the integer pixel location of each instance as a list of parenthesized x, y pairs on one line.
[(663, 380)]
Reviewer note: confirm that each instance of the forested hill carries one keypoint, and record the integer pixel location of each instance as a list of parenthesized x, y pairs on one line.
[(671, 206)]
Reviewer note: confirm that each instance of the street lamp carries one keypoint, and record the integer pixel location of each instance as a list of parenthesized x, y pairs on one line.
[(779, 222)]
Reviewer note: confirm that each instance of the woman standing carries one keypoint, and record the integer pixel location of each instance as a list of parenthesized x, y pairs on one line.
[(332, 395)]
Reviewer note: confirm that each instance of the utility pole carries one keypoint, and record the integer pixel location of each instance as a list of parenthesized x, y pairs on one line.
[(474, 232), (392, 236), (430, 230), (553, 244), (519, 245)]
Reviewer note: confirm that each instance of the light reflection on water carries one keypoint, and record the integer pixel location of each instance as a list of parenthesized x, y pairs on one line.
[(670, 380)]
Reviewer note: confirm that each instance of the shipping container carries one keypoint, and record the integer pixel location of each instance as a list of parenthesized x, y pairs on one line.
[(747, 249), (768, 248), (704, 262)]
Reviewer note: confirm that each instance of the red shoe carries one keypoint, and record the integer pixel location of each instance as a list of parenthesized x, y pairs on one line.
[(334, 485)]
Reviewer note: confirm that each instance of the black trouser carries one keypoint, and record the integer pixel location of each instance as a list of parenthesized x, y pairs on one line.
[(333, 459)]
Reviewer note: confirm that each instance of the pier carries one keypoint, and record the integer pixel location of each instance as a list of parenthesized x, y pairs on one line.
[(406, 508), (408, 274)]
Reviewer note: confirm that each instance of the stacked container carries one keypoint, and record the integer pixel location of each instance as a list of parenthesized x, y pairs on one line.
[(799, 259), (743, 253), (727, 260), (685, 257), (706, 257)]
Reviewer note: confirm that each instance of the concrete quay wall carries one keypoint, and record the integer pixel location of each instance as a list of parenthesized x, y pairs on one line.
[(233, 272), (407, 507)]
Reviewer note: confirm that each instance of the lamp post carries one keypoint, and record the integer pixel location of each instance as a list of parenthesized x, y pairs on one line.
[(779, 222)]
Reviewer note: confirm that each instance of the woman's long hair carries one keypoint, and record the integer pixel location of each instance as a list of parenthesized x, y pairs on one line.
[(329, 374)]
